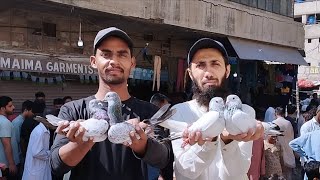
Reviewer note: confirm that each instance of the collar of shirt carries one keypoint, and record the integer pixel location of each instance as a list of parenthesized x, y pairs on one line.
[(21, 116), (315, 121), (203, 109), (44, 128)]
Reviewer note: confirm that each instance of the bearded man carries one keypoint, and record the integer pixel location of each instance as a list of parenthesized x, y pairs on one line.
[(9, 154), (226, 156)]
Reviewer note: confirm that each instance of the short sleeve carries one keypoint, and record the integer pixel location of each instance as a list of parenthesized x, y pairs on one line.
[(5, 128)]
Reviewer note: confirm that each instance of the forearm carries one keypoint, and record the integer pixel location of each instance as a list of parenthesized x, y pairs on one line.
[(72, 153), (9, 154), (157, 154), (298, 150)]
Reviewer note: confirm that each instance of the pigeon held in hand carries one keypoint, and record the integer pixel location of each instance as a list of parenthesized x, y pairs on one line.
[(97, 129), (237, 121), (98, 109), (212, 123), (119, 129)]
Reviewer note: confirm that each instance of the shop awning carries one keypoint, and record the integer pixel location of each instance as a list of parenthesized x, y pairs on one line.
[(305, 83), (251, 50)]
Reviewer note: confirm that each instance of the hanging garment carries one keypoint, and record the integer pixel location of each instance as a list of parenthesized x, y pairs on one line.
[(180, 77), (172, 70), (156, 72)]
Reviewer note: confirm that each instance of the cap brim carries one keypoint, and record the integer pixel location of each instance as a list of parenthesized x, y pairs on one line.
[(116, 33), (205, 43)]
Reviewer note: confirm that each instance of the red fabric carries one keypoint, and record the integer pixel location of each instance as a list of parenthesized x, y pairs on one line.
[(12, 117), (279, 78), (257, 167)]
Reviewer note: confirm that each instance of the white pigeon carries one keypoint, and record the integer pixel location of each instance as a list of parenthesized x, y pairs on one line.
[(210, 124), (95, 128), (237, 120)]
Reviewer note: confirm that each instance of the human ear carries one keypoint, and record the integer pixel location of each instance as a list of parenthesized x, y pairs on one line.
[(93, 62), (227, 70)]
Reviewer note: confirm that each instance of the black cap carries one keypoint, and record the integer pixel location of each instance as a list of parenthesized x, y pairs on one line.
[(206, 43), (112, 31)]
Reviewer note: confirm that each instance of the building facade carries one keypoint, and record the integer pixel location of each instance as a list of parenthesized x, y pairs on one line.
[(308, 12), (48, 32)]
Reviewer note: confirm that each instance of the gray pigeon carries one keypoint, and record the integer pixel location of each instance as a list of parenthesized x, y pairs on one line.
[(96, 127), (119, 129), (237, 121), (98, 109)]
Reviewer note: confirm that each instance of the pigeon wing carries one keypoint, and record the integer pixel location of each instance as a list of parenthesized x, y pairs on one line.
[(54, 120), (249, 110), (174, 126), (210, 124), (243, 121)]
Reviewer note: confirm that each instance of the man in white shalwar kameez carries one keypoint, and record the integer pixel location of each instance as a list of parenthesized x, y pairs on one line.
[(37, 165), (226, 157)]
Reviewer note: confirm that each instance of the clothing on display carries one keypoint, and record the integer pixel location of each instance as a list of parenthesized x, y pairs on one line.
[(180, 76), (156, 72), (137, 73)]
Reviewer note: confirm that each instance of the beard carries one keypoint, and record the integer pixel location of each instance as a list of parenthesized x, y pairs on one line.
[(204, 96), (8, 112), (113, 80)]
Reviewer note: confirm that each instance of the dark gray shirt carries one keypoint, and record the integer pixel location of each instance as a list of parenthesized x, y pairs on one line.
[(107, 160)]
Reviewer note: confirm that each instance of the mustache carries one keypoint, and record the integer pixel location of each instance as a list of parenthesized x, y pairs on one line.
[(210, 80), (114, 68)]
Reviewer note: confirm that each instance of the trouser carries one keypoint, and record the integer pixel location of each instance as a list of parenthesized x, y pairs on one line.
[(167, 172), (287, 173), (153, 173), (180, 77), (156, 72), (10, 176)]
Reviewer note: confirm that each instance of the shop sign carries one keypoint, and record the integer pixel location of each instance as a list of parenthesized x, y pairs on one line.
[(57, 66)]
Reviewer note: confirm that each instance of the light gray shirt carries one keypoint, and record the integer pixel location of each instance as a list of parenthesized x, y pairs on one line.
[(309, 126)]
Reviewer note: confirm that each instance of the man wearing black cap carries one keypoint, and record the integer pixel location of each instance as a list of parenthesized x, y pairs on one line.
[(220, 158), (113, 59)]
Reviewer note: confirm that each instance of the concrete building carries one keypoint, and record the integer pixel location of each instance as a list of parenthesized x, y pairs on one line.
[(308, 12), (48, 32)]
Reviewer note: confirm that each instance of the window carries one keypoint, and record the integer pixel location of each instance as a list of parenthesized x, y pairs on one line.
[(44, 28), (269, 5), (298, 19), (253, 3), (290, 8), (49, 29), (246, 2), (283, 7), (262, 4), (276, 6)]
